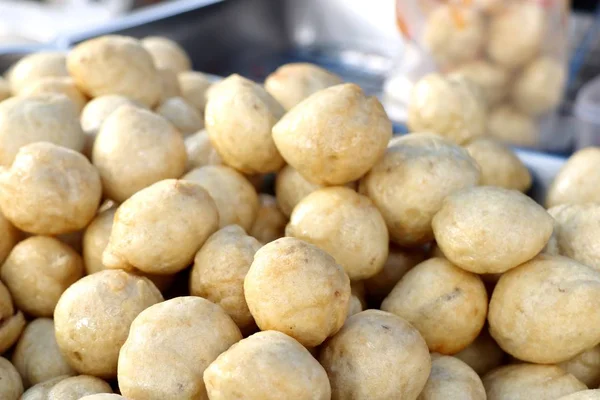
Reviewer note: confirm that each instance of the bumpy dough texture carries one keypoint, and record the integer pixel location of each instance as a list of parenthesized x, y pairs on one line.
[(335, 136), (183, 116), (170, 345), (449, 106), (410, 182), (445, 303), (239, 117), (499, 165), (540, 86), (37, 271), (346, 225), (483, 354), (37, 356), (454, 35), (115, 65), (395, 365), (49, 190), (529, 381), (593, 394), (95, 240), (578, 181), (74, 388), (194, 86), (492, 79), (585, 366), (200, 151), (159, 229), (507, 124), (167, 54), (93, 316), (452, 379), (290, 188), (398, 263), (60, 85), (220, 268), (45, 118), (576, 231), (292, 83), (488, 229), (270, 222), (268, 365), (10, 236), (36, 66), (11, 386), (235, 197), (546, 310), (298, 289), (134, 149), (515, 35), (40, 391)]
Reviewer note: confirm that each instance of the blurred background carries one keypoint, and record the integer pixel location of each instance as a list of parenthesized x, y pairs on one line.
[(380, 44)]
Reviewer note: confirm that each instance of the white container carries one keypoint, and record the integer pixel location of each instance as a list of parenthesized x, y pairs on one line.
[(587, 114)]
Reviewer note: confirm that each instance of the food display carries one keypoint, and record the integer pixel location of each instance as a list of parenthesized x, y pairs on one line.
[(164, 237)]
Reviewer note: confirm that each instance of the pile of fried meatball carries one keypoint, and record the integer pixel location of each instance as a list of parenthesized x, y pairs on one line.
[(145, 256)]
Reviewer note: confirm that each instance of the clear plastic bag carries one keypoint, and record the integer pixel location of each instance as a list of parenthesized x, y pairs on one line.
[(515, 50)]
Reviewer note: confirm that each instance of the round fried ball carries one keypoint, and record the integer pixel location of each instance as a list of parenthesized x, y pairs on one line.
[(298, 289), (5, 92), (452, 107), (10, 236), (546, 310), (578, 181), (235, 197), (159, 229), (454, 35), (194, 86), (11, 386), (93, 316), (398, 263), (292, 83), (74, 388), (134, 149), (115, 64), (56, 85), (40, 391), (412, 179), (585, 366), (13, 320), (346, 225), (37, 356), (354, 306), (267, 365), (593, 394), (452, 379), (335, 136), (576, 229), (36, 66), (529, 381), (515, 35), (488, 229), (270, 222), (200, 151), (45, 118), (539, 88), (49, 190), (182, 335), (95, 113), (290, 188), (183, 116), (37, 271), (445, 303), (394, 365), (507, 124), (483, 354), (167, 54), (170, 84), (220, 268), (492, 79), (499, 165), (239, 118)]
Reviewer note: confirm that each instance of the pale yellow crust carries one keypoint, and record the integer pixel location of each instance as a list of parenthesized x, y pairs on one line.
[(182, 115), (483, 354), (11, 386), (36, 66), (167, 54), (194, 86), (270, 222), (585, 366), (74, 388), (578, 181), (200, 151), (452, 379)]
